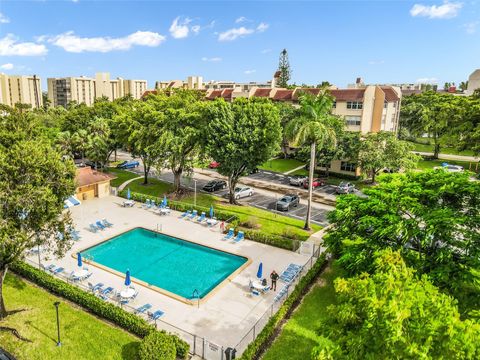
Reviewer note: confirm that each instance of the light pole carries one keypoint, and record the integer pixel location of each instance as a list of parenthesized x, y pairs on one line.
[(57, 303), (195, 196)]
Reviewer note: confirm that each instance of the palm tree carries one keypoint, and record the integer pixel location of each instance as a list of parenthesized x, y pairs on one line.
[(315, 127)]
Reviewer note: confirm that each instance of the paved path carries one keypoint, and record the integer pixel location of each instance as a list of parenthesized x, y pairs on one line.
[(293, 170), (450, 157), (121, 187)]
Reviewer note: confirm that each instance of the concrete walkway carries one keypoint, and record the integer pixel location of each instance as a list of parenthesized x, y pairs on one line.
[(293, 170), (121, 187)]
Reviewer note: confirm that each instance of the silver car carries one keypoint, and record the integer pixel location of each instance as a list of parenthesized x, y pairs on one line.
[(345, 188), (241, 192), (297, 180)]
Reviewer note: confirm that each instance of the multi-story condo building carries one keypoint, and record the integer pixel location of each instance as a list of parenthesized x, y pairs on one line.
[(371, 108), (192, 82), (85, 90), (23, 89)]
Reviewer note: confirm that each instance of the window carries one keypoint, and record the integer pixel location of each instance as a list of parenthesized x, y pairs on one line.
[(385, 104), (348, 166), (334, 104), (324, 165), (355, 105), (353, 120)]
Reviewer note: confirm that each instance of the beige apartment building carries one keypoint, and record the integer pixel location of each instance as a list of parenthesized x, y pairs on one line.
[(371, 108), (85, 90), (23, 89), (192, 82)]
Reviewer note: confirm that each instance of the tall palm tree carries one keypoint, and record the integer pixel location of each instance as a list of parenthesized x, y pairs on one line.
[(315, 127)]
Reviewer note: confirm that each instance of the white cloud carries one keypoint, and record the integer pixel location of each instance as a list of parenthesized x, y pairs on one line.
[(266, 51), (262, 27), (4, 19), (212, 59), (445, 11), (179, 28), (376, 62), (248, 72), (241, 19), (235, 33), (427, 80), (9, 46), (73, 43), (196, 29), (8, 66), (471, 28)]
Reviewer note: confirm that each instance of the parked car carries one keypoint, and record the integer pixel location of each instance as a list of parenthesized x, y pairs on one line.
[(297, 180), (214, 165), (287, 201), (241, 192), (130, 164), (345, 188), (315, 183), (450, 168), (215, 185)]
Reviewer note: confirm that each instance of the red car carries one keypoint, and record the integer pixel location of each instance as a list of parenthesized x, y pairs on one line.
[(316, 183), (213, 165)]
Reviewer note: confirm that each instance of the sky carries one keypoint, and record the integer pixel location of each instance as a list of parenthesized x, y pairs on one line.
[(335, 41)]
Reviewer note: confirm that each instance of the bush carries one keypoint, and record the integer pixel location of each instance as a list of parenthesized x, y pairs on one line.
[(251, 223), (269, 239), (93, 304), (157, 346), (256, 348)]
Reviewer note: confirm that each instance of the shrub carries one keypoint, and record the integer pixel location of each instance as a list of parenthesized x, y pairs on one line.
[(157, 346), (255, 348), (93, 304), (251, 223)]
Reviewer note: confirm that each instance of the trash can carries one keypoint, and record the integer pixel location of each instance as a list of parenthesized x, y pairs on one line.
[(230, 353)]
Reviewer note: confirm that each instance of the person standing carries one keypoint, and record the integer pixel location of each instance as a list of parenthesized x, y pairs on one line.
[(274, 277)]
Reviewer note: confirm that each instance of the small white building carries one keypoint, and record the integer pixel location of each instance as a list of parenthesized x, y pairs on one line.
[(473, 82)]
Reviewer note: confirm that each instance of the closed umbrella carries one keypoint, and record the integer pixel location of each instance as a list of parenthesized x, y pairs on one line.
[(211, 212), (79, 260), (164, 202), (127, 278), (128, 194), (260, 270)]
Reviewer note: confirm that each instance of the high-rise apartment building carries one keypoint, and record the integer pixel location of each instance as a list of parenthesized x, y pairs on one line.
[(20, 89), (85, 90)]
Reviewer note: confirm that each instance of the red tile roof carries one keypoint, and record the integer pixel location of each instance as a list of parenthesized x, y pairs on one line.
[(88, 176), (148, 92), (284, 95), (348, 94), (299, 91), (227, 94), (390, 94), (262, 92), (214, 94)]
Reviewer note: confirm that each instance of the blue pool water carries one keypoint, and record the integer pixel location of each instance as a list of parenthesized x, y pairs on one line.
[(169, 263)]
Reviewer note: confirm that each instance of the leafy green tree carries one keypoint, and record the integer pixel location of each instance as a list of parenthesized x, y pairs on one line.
[(381, 150), (284, 68), (241, 135), (432, 113), (314, 127), (183, 130), (287, 114), (463, 85), (431, 217), (465, 134), (392, 314), (34, 182)]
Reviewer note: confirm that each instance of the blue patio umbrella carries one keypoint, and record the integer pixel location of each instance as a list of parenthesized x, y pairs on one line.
[(211, 211), (260, 270), (128, 194), (444, 164), (127, 278), (164, 202), (79, 260)]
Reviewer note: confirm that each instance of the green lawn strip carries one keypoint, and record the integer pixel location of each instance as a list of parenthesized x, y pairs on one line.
[(430, 164), (121, 175), (153, 188), (281, 165), (298, 336), (424, 146), (83, 335)]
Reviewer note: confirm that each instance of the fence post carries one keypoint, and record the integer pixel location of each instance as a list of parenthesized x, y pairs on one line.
[(222, 353), (203, 348), (194, 343)]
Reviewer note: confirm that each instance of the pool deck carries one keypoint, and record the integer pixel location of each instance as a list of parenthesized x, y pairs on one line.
[(225, 316)]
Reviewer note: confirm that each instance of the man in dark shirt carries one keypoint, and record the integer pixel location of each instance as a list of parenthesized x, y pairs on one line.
[(274, 277)]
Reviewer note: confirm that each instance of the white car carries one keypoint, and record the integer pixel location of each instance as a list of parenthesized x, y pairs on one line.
[(450, 168), (241, 192)]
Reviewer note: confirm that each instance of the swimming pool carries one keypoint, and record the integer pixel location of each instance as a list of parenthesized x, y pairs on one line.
[(169, 263)]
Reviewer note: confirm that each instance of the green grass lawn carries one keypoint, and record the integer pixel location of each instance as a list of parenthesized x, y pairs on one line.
[(153, 188), (281, 165), (430, 164), (422, 145), (298, 337), (121, 175), (83, 336)]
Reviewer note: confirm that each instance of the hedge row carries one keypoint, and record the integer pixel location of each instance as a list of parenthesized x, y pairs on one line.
[(233, 219), (258, 346), (93, 304)]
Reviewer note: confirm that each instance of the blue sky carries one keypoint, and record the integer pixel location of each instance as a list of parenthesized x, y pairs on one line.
[(381, 41)]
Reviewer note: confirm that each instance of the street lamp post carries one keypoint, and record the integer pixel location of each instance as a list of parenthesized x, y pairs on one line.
[(195, 196), (57, 303)]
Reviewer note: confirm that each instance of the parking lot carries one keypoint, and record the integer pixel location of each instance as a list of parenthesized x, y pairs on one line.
[(261, 199)]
